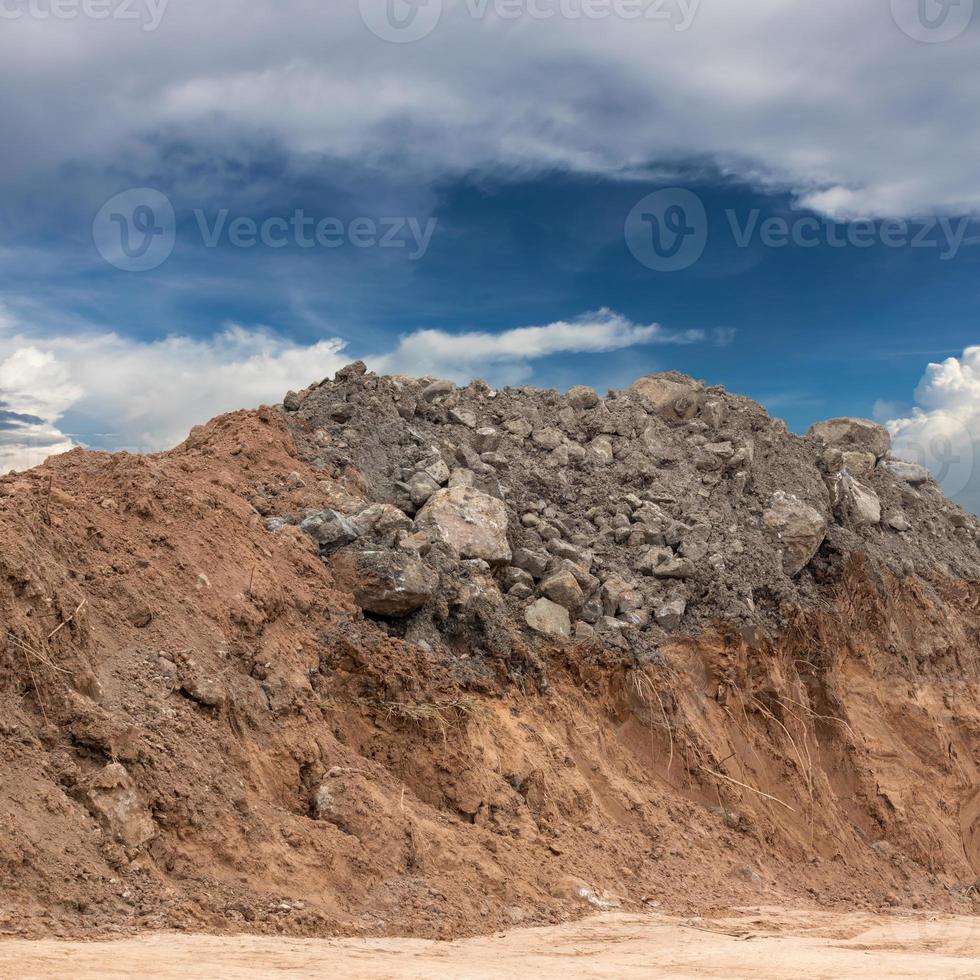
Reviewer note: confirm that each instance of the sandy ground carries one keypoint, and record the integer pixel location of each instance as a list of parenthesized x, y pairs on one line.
[(760, 943)]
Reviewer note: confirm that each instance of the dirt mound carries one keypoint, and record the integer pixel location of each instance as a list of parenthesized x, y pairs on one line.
[(277, 680)]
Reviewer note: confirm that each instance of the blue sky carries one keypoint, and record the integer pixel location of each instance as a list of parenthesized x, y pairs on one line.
[(492, 191)]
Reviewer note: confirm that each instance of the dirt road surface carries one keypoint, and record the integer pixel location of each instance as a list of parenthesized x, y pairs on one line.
[(759, 944)]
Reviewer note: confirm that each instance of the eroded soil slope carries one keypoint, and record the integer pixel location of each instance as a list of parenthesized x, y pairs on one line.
[(203, 727)]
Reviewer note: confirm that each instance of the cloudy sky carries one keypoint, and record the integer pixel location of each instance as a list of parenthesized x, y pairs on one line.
[(202, 205)]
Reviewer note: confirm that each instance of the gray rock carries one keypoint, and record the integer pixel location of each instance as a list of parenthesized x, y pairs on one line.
[(486, 440), (462, 477), (797, 528), (563, 588), (535, 562), (384, 582), (380, 519), (114, 800), (601, 450), (548, 618), (650, 559), (470, 521), (856, 504), (899, 522), (670, 613), (421, 487), (618, 594), (356, 369), (329, 530), (911, 473), (858, 464), (520, 428), (549, 438), (582, 398), (679, 568), (437, 389), (854, 434), (438, 470), (291, 402), (462, 417), (672, 397)]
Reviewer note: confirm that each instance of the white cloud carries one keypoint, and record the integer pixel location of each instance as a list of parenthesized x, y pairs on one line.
[(126, 393), (942, 432), (830, 99), (503, 357)]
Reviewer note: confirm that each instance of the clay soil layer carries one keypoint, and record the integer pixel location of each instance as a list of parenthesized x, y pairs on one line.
[(760, 944)]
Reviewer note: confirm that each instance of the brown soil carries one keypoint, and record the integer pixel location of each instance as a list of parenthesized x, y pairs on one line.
[(180, 692)]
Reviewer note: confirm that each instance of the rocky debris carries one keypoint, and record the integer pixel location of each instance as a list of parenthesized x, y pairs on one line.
[(112, 797), (855, 504), (384, 582), (912, 473), (563, 588), (307, 726), (853, 434), (666, 507), (899, 522), (382, 520), (798, 528), (329, 529), (670, 613), (437, 389), (473, 523), (207, 691), (548, 618), (581, 397), (671, 396)]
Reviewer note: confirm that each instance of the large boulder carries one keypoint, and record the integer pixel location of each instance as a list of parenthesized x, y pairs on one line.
[(330, 530), (671, 396), (563, 588), (548, 618), (582, 397), (384, 582), (470, 521), (797, 528), (911, 473), (380, 519), (114, 800), (856, 504), (855, 434)]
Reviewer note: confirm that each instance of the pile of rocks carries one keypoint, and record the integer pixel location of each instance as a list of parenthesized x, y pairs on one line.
[(665, 507)]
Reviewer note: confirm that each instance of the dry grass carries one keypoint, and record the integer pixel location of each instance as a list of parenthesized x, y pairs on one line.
[(438, 716)]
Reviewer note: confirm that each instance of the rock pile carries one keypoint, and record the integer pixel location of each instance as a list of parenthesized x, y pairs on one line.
[(661, 508)]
